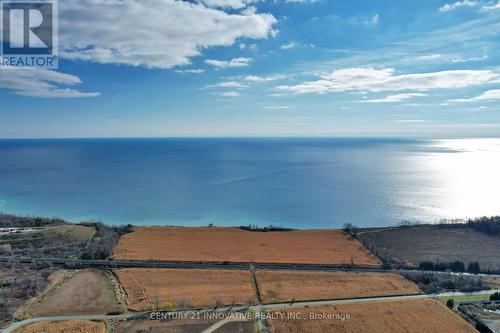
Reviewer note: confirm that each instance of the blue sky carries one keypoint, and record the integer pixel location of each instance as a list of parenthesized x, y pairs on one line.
[(263, 68)]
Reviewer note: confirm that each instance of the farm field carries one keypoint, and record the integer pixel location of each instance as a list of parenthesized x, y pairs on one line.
[(237, 245), (151, 288), (444, 243), (424, 315), (465, 298), (86, 291), (164, 326), (284, 286), (240, 327), (70, 326), (188, 325)]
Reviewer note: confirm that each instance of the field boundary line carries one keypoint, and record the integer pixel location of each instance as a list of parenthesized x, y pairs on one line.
[(255, 283)]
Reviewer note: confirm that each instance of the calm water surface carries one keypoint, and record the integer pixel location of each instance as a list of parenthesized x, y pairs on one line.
[(300, 183)]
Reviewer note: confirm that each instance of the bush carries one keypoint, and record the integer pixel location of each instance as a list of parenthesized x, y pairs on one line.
[(167, 306), (426, 266), (495, 296), (351, 230), (441, 266), (104, 240), (450, 303), (473, 268), (5, 249), (449, 285), (457, 266)]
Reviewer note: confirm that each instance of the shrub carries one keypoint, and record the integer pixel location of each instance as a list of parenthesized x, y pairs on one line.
[(167, 306), (426, 266), (104, 240), (449, 285), (450, 303), (5, 249), (495, 296), (473, 268), (457, 266)]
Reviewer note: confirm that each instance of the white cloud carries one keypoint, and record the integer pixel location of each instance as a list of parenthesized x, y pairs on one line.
[(459, 4), (410, 121), (246, 81), (230, 94), (191, 71), (452, 58), (461, 59), (430, 57), (301, 1), (255, 78), (394, 98), (234, 4), (367, 21), (156, 34), (288, 46), (251, 47), (491, 7), (277, 107), (227, 84), (232, 63), (377, 80), (41, 83), (489, 95)]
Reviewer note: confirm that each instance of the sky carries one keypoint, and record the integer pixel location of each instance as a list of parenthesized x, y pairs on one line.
[(155, 68)]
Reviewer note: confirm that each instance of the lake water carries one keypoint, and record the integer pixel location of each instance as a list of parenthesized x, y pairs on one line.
[(301, 183)]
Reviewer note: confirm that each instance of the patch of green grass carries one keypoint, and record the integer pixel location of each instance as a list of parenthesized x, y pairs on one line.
[(462, 299)]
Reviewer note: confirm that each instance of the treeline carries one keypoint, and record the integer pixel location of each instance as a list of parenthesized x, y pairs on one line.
[(106, 236), (11, 221), (436, 282), (252, 227), (455, 266), (487, 225)]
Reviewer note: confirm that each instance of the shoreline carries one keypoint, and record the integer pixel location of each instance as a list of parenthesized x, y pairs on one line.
[(208, 222)]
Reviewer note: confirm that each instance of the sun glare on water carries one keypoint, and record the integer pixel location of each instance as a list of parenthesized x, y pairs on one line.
[(467, 175)]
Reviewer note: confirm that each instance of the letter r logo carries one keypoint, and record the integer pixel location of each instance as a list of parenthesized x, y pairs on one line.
[(27, 27)]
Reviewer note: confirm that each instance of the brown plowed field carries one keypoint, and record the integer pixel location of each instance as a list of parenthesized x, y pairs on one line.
[(437, 243), (87, 291), (70, 326), (164, 326), (284, 286), (147, 288), (411, 316), (237, 245)]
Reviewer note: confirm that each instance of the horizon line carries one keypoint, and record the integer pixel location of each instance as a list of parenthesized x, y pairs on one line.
[(253, 137)]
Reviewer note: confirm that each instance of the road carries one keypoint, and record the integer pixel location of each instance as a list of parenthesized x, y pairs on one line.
[(255, 308), (221, 323), (71, 263)]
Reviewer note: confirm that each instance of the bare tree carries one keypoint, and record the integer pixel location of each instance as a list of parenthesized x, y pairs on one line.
[(218, 301), (183, 303)]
